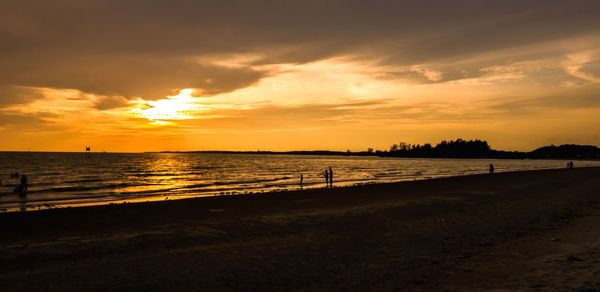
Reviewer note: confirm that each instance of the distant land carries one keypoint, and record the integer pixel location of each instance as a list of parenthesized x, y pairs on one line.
[(458, 148)]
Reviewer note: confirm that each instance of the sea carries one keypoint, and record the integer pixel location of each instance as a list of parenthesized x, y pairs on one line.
[(78, 179)]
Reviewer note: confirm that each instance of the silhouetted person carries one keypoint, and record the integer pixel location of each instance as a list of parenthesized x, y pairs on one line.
[(330, 177), (491, 168), (326, 178), (23, 193), (22, 188), (301, 180), (571, 164)]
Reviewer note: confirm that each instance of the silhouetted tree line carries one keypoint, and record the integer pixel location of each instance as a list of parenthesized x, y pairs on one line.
[(458, 148), (568, 151)]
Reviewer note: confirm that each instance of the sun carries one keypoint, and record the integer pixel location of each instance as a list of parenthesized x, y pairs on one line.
[(176, 107)]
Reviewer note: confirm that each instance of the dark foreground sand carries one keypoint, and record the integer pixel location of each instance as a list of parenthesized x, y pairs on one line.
[(522, 230)]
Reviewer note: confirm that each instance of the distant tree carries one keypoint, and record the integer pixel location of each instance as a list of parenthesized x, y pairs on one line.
[(461, 148), (567, 151)]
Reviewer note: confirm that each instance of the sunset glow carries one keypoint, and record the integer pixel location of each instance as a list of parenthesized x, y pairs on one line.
[(176, 107), (232, 86)]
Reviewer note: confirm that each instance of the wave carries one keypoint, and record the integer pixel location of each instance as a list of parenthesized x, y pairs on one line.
[(89, 180), (83, 188), (253, 181)]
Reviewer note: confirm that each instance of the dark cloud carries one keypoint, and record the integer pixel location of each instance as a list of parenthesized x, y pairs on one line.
[(519, 105), (110, 102), (129, 76), (146, 48), (592, 68), (11, 95), (18, 122)]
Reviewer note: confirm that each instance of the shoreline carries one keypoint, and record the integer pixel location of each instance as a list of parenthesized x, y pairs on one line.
[(512, 230), (163, 198)]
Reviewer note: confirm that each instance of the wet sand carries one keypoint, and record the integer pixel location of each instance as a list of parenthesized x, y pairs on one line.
[(521, 230)]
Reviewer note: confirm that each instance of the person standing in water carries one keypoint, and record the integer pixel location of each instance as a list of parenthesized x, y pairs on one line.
[(330, 177), (491, 168), (301, 180), (326, 178), (22, 188)]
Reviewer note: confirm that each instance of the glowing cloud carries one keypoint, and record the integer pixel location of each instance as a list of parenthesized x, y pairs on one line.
[(428, 73), (576, 62), (176, 107)]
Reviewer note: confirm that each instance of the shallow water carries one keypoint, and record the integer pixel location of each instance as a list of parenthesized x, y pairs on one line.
[(73, 179)]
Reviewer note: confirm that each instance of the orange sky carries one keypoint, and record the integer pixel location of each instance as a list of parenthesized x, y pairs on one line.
[(297, 76)]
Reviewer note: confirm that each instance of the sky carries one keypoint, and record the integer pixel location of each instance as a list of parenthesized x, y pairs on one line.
[(133, 76)]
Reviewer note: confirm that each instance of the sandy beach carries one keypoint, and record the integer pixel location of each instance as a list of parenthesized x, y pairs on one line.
[(518, 230)]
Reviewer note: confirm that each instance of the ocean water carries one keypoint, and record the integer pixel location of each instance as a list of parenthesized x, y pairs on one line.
[(74, 179)]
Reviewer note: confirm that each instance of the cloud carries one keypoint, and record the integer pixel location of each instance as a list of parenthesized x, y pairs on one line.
[(132, 76), (285, 64), (144, 49), (111, 102), (11, 95), (429, 74), (584, 65)]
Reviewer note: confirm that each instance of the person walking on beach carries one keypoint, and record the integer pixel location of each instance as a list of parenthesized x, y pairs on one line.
[(326, 178), (330, 177), (491, 168)]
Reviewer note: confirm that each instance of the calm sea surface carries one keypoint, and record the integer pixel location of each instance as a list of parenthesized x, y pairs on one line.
[(71, 179)]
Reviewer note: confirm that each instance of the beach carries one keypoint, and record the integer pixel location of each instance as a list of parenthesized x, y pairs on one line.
[(513, 230)]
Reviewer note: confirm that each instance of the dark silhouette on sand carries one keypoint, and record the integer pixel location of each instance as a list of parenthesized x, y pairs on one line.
[(491, 168), (301, 180)]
